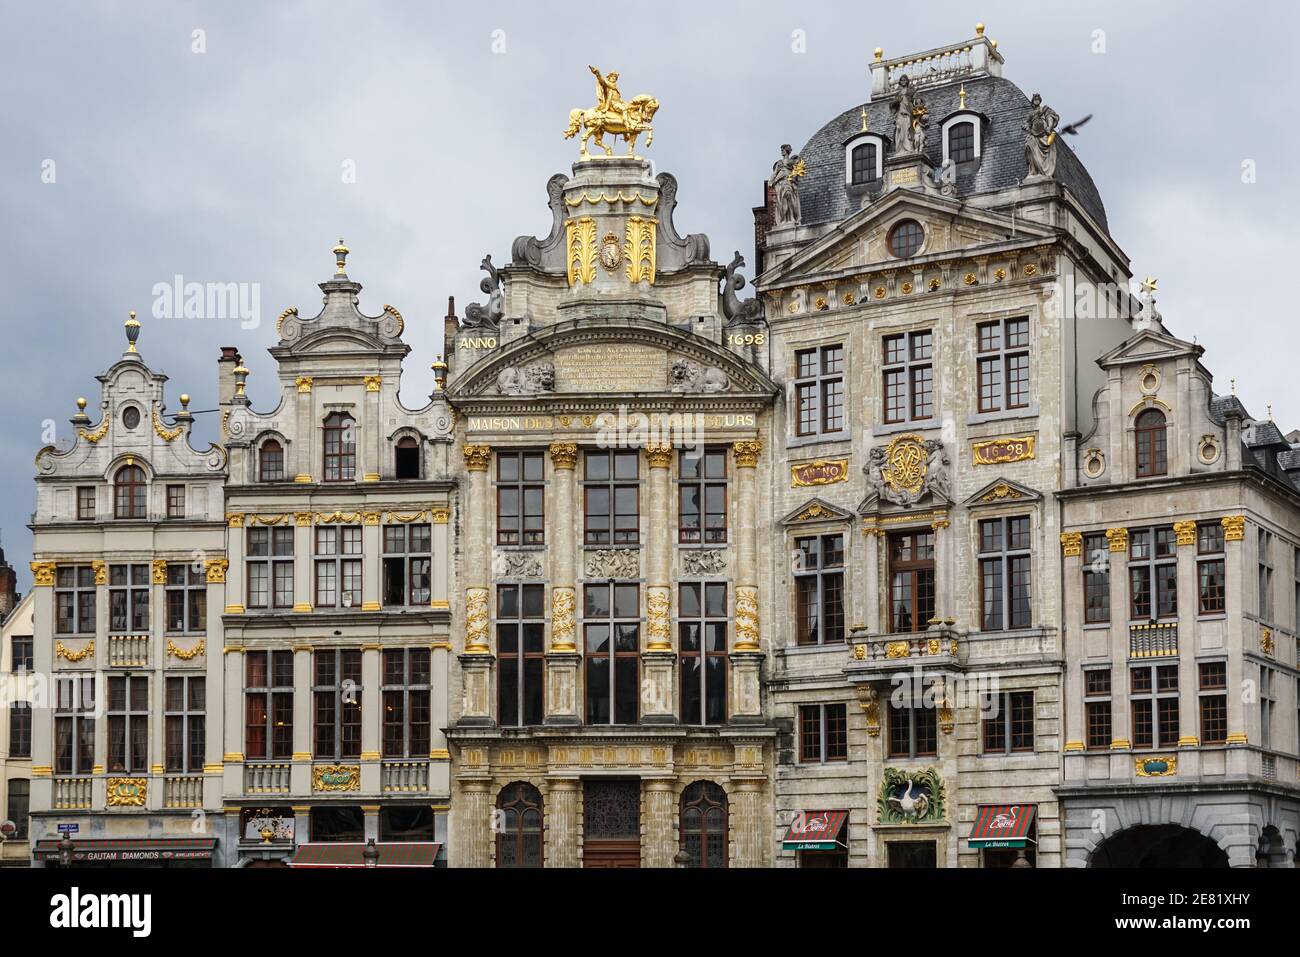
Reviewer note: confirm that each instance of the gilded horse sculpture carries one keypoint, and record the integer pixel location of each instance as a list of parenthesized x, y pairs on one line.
[(614, 116)]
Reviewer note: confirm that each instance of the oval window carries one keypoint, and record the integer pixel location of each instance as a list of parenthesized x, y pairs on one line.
[(130, 417), (906, 238)]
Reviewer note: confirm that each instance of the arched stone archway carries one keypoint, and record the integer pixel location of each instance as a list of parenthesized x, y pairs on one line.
[(1158, 845)]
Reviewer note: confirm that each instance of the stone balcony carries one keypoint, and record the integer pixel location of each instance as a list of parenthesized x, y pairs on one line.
[(879, 657)]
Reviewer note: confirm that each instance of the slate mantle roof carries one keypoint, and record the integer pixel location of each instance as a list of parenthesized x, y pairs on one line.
[(1262, 443), (824, 198)]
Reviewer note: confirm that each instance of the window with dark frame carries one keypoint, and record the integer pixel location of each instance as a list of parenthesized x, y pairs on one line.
[(338, 566), (702, 496), (185, 717), (1212, 698), (407, 564), (611, 490), (21, 652), (819, 589), (521, 647), (1153, 573), (340, 447), (269, 566), (128, 724), (913, 731), (703, 816), (406, 458), (406, 688), (521, 518), (175, 501), (128, 599), (336, 693), (863, 159), (906, 238), (1264, 554), (268, 705), (612, 639), (1210, 569), (85, 503), (519, 826), (961, 142), (270, 462), (74, 724), (911, 581), (1096, 579), (130, 493), (186, 593), (1004, 561), (823, 733), (20, 803), (1153, 703), (702, 651), (1010, 727), (1003, 364), (1267, 706), (1152, 443), (20, 729), (1097, 708), (819, 390), (74, 600), (908, 376)]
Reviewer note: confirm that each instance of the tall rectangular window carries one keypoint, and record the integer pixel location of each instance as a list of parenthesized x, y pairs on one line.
[(520, 510), (1210, 569), (407, 704), (819, 390), (336, 690), (128, 599), (913, 731), (20, 729), (1096, 708), (819, 589), (1267, 706), (20, 802), (74, 600), (702, 496), (1003, 364), (911, 581), (1096, 579), (185, 708), (21, 652), (1265, 540), (74, 724), (909, 376), (702, 645), (521, 627), (175, 501), (270, 567), (128, 724), (823, 733), (340, 448), (864, 163), (1004, 559), (187, 598), (1153, 574), (1213, 700), (268, 705), (85, 503), (1153, 702), (611, 488), (612, 638), (1011, 726), (408, 561), (338, 566)]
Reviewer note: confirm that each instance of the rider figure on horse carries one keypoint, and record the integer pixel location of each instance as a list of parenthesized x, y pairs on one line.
[(608, 98)]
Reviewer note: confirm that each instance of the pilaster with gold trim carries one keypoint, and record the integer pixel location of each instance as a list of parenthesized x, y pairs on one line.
[(746, 650), (563, 662)]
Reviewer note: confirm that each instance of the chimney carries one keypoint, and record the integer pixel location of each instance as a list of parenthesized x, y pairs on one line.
[(8, 587), (226, 365), (450, 327)]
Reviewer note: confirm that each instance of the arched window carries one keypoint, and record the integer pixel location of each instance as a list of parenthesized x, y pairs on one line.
[(270, 462), (864, 163), (129, 491), (961, 142), (519, 826), (406, 458), (704, 825), (1152, 444), (340, 448)]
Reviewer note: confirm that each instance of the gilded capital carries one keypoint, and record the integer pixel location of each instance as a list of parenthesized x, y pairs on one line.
[(304, 383), (564, 455), (101, 572), (1072, 544), (747, 452), (1186, 532), (1118, 538), (159, 571), (42, 573), (477, 457), (659, 454), (372, 383), (1234, 527), (215, 569)]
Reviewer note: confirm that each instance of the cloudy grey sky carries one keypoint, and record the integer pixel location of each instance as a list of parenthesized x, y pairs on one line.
[(227, 165)]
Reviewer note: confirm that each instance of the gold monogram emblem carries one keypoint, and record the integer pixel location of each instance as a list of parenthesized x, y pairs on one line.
[(905, 464)]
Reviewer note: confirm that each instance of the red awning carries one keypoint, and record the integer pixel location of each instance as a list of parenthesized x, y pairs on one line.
[(130, 849), (392, 854), (816, 831), (1002, 825)]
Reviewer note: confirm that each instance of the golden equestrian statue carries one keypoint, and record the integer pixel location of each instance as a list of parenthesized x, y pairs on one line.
[(613, 115)]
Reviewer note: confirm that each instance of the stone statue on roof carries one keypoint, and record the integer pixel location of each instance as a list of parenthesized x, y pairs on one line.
[(1040, 139), (784, 173), (910, 118)]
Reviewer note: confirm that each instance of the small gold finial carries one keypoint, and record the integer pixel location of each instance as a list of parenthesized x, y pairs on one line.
[(1150, 284), (1270, 411), (340, 257), (962, 94), (880, 53), (81, 403), (864, 119), (439, 368), (1234, 386), (979, 29), (185, 399), (241, 377), (993, 44), (132, 331)]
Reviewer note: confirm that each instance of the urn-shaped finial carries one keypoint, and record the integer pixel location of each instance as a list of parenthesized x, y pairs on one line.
[(132, 326)]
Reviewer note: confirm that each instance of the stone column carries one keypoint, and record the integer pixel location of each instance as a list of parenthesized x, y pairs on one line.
[(475, 814), (306, 429), (42, 787), (1189, 719), (871, 581), (372, 715), (300, 772), (215, 570), (562, 823), (660, 848), (1236, 573), (372, 562), (440, 566), (657, 704), (1117, 555), (746, 823), (234, 572), (946, 571), (746, 648), (370, 424), (476, 662), (1072, 559), (563, 660), (302, 562)]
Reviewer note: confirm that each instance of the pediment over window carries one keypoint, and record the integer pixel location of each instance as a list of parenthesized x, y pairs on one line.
[(1002, 492), (1149, 346), (816, 510)]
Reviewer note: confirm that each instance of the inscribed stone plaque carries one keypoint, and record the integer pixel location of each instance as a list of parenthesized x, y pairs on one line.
[(611, 367)]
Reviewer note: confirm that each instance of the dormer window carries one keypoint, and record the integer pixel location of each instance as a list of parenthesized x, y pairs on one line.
[(864, 156), (406, 458), (129, 492), (270, 462), (340, 448), (1152, 437), (962, 137)]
